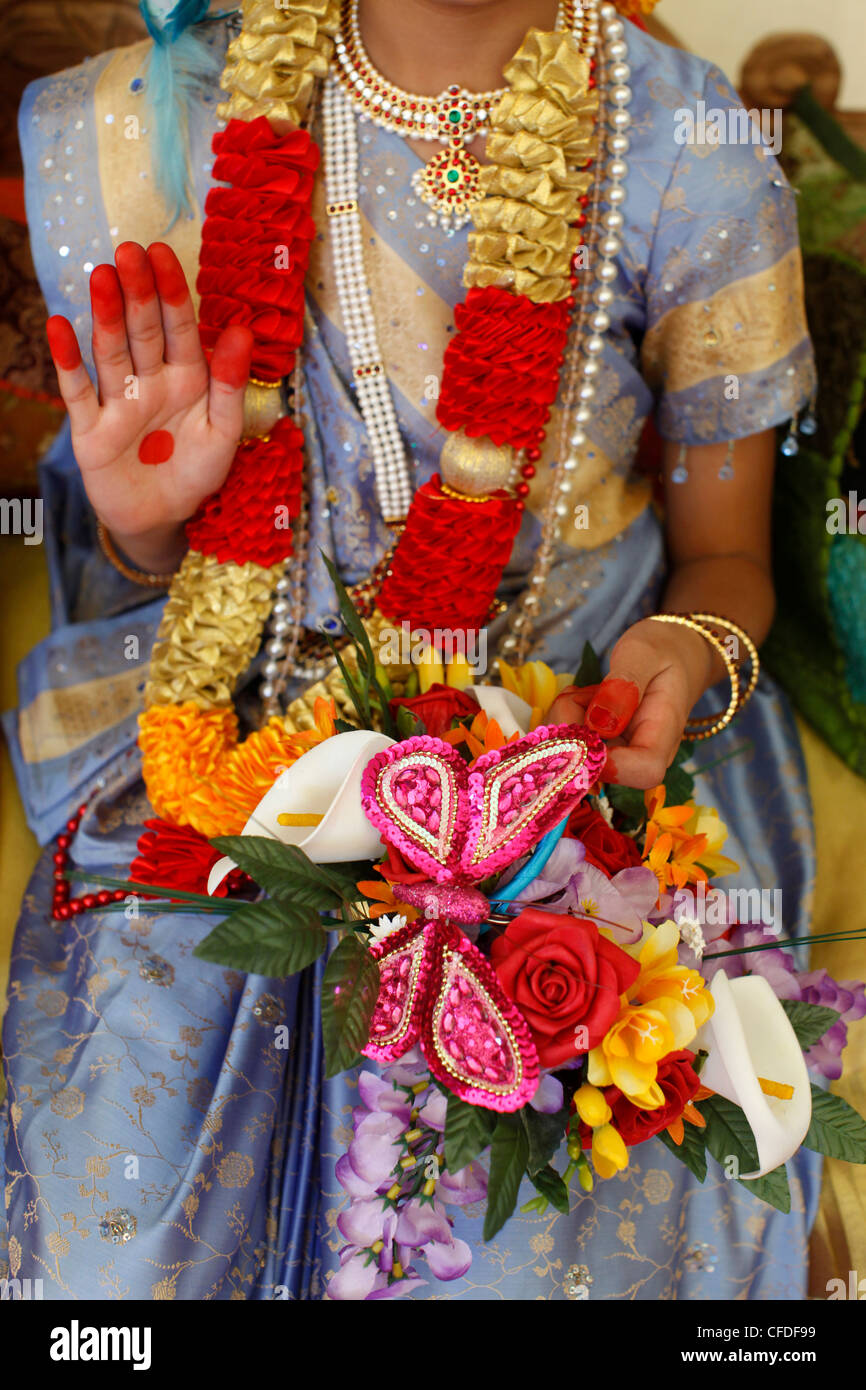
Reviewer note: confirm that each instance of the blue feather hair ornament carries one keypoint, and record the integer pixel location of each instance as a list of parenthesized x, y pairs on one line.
[(179, 64)]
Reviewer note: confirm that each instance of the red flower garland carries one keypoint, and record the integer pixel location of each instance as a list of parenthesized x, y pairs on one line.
[(429, 583), (256, 243), (501, 369), (176, 856), (254, 254), (241, 521)]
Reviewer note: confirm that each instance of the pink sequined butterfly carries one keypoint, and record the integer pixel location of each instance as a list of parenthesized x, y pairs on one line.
[(460, 826)]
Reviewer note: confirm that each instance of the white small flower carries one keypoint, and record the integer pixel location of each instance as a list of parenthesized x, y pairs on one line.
[(691, 934), (386, 925), (605, 808)]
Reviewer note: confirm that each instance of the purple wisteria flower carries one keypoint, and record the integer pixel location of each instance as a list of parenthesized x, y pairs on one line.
[(398, 1188), (847, 997), (778, 967)]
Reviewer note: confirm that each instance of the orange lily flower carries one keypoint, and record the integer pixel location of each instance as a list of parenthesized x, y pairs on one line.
[(673, 857), (483, 735), (665, 817), (381, 899), (694, 1117)]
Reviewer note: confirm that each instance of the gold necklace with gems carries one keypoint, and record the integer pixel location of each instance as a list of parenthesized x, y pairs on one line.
[(449, 182)]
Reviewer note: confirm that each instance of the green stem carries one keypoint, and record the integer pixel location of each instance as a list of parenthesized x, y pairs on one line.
[(717, 762), (149, 890), (161, 906), (790, 941)]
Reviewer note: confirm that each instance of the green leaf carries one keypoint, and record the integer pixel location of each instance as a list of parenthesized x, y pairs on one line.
[(344, 727), (589, 670), (692, 1151), (550, 1184), (358, 694), (771, 1188), (728, 1133), (350, 987), (837, 1129), (363, 649), (545, 1134), (468, 1130), (679, 784), (809, 1021), (509, 1151), (267, 938), (629, 802), (284, 871)]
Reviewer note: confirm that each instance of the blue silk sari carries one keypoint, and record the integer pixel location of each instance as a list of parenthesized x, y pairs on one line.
[(158, 1144)]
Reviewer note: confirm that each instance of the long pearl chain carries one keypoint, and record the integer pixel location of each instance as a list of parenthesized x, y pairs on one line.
[(286, 624), (603, 237), (393, 479)]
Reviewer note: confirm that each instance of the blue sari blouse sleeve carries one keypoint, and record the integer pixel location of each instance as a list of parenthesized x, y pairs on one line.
[(726, 347)]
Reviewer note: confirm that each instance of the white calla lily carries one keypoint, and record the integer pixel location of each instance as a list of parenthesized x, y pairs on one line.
[(750, 1038), (511, 713), (325, 781)]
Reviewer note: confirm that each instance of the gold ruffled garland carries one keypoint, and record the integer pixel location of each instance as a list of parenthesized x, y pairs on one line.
[(523, 239)]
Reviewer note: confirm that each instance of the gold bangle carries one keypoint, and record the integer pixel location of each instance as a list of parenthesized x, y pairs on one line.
[(147, 581), (713, 619), (697, 728), (268, 385)]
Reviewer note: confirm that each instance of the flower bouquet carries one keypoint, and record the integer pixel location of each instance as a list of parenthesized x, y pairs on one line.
[(534, 969)]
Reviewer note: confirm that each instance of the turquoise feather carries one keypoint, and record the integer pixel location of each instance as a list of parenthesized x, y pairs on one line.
[(180, 63)]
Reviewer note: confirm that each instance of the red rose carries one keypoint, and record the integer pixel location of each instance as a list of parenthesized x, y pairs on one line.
[(678, 1081), (437, 707), (561, 973), (606, 848), (396, 870)]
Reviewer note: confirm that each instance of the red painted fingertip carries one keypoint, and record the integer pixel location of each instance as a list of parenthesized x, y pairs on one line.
[(230, 362), (613, 706), (106, 299), (168, 274), (62, 343), (133, 267), (156, 447)]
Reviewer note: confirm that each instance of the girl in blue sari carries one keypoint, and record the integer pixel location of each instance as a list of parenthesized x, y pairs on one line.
[(158, 1144)]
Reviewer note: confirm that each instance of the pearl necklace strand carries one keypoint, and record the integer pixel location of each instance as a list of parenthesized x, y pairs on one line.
[(603, 234), (393, 479), (406, 113)]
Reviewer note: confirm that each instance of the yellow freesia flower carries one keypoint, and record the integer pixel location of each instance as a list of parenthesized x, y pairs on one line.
[(705, 821), (688, 1001), (430, 669), (609, 1152), (591, 1106), (458, 673), (629, 1053), (535, 683)]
